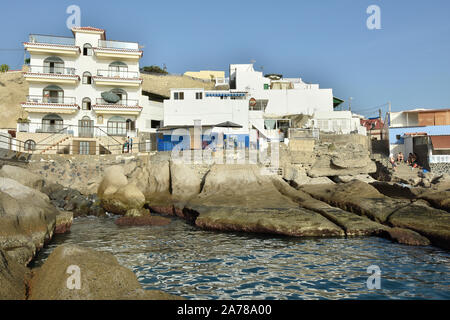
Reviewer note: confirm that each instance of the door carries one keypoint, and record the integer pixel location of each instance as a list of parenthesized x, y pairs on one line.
[(86, 128)]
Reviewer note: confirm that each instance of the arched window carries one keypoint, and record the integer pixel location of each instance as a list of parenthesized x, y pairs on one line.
[(117, 126), (87, 49), (86, 105), (100, 119), (118, 69), (29, 145), (87, 78), (53, 94), (54, 65), (52, 123)]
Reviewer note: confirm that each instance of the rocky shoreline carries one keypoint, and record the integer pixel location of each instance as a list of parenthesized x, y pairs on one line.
[(245, 198)]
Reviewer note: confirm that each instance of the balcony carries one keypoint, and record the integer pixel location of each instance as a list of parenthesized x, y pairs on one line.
[(43, 44), (118, 50), (117, 78), (124, 106), (44, 104), (49, 74)]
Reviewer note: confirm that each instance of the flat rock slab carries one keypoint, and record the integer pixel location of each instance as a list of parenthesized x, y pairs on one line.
[(295, 222), (240, 198), (359, 197), (353, 224), (432, 223)]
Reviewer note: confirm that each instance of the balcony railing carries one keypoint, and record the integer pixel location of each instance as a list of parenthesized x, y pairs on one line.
[(52, 70), (39, 38), (118, 74), (51, 100), (123, 102), (110, 44)]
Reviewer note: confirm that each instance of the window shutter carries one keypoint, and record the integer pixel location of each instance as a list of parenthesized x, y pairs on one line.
[(76, 147)]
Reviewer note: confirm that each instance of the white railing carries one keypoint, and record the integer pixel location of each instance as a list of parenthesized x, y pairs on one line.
[(111, 44), (39, 38), (444, 158)]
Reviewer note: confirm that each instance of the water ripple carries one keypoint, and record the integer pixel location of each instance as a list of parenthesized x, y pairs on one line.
[(197, 264)]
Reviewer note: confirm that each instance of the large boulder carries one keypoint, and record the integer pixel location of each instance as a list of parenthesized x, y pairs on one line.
[(23, 176), (101, 278), (240, 198), (27, 220), (185, 181), (432, 223), (346, 160), (116, 194), (13, 277)]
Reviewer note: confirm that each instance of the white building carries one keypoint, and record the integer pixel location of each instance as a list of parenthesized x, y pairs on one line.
[(265, 106), (85, 93)]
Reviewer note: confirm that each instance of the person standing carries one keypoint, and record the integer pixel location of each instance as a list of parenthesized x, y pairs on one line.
[(131, 144)]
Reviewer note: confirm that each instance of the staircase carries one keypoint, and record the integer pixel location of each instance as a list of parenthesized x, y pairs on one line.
[(56, 145)]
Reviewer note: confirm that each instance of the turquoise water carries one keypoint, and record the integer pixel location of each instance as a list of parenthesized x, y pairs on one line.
[(197, 264)]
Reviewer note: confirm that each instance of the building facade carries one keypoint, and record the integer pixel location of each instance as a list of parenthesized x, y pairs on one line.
[(85, 94), (425, 132)]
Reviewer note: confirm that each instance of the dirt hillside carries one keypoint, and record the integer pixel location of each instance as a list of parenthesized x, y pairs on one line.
[(13, 91)]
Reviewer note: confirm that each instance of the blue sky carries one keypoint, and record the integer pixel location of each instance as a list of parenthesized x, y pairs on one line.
[(407, 62)]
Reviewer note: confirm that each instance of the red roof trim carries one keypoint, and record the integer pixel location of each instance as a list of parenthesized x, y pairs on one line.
[(116, 78), (50, 45), (52, 74), (119, 50), (51, 104), (106, 106)]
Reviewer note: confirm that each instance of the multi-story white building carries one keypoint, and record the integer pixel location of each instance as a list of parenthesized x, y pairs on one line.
[(261, 105), (85, 93)]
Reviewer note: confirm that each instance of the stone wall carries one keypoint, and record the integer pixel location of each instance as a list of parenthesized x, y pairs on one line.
[(305, 145), (440, 168)]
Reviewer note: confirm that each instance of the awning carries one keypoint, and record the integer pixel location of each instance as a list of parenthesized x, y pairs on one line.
[(228, 124), (440, 142), (337, 102), (225, 94)]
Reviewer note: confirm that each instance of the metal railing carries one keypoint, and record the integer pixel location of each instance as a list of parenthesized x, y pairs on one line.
[(297, 133), (111, 44), (123, 102), (51, 100), (51, 70), (444, 158), (118, 74), (40, 38)]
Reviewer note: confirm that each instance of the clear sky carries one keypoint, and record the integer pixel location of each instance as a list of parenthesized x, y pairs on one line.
[(406, 62)]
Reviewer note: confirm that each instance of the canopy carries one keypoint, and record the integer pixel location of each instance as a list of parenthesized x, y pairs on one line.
[(441, 142), (110, 97), (228, 124)]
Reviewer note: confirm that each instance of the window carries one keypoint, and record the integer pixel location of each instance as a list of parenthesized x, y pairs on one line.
[(52, 123), (53, 65), (156, 124), (266, 86), (84, 147), (29, 145), (199, 95), (86, 104), (178, 95), (117, 126), (87, 50), (87, 78), (53, 94), (100, 119)]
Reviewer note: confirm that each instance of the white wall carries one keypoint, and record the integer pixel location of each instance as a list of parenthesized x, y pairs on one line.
[(211, 110)]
